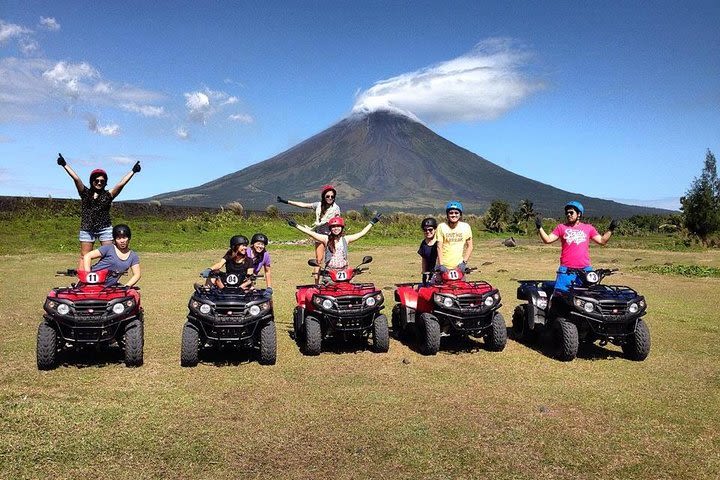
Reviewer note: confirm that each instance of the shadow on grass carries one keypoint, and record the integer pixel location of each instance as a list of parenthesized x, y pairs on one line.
[(542, 342), (339, 346), (92, 356), (449, 344), (228, 355)]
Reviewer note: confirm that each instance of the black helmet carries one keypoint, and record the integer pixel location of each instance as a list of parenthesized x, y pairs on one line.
[(428, 222), (238, 240), (121, 230), (259, 237)]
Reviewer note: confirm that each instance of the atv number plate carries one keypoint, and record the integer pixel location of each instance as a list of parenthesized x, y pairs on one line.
[(91, 278), (231, 279), (341, 275)]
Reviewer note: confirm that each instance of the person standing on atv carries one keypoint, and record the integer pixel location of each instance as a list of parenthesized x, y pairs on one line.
[(261, 259), (575, 239), (428, 246), (115, 257), (325, 209), (454, 239), (95, 221), (336, 243), (237, 262)]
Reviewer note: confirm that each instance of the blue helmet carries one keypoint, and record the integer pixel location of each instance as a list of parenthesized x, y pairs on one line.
[(576, 205), (453, 205)]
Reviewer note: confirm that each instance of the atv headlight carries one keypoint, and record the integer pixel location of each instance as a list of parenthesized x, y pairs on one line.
[(254, 310), (370, 301), (641, 303), (633, 308), (63, 309), (327, 304), (118, 308), (541, 303), (489, 301), (588, 307), (204, 308)]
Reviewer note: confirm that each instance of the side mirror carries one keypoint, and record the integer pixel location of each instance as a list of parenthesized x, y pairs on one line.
[(313, 263), (366, 259)]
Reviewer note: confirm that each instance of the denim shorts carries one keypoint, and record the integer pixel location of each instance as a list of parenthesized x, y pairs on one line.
[(565, 280), (103, 235)]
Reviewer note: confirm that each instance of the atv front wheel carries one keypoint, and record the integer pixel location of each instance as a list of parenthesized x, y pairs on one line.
[(566, 339), (380, 334), (47, 346), (313, 336), (429, 334), (268, 344), (190, 346), (638, 346), (496, 338), (133, 340)]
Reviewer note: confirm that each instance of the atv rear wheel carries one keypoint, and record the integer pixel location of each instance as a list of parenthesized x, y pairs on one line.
[(47, 346), (429, 334), (380, 334), (133, 340), (496, 338), (566, 339), (268, 344), (638, 346), (312, 340), (190, 346)]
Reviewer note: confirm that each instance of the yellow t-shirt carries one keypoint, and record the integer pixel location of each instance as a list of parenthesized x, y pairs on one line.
[(453, 242)]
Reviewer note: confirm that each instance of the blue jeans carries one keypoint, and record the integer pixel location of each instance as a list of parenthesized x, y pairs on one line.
[(565, 280)]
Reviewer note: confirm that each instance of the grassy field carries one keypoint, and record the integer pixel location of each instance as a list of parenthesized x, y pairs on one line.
[(349, 413)]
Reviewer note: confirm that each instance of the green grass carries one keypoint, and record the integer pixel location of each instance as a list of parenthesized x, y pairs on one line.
[(349, 413), (683, 270)]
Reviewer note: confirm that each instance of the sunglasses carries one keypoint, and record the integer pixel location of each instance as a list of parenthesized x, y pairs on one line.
[(329, 196), (570, 212), (453, 212), (99, 180), (430, 229)]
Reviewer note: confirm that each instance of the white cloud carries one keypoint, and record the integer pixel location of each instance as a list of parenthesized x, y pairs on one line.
[(69, 78), (201, 105), (11, 30), (49, 23), (144, 110), (123, 159), (110, 130), (182, 133), (480, 85), (242, 118)]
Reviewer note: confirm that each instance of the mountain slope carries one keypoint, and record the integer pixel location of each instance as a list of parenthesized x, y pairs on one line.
[(386, 161)]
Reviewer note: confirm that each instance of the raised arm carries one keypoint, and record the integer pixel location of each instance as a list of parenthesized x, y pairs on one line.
[(307, 231), (546, 238), (293, 202), (78, 183), (605, 237), (115, 191), (361, 233)]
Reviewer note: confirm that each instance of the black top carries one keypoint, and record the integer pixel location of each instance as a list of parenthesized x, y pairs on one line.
[(239, 269), (428, 252), (95, 212)]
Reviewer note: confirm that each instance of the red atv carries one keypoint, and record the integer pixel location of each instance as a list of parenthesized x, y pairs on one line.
[(452, 306), (88, 313), (341, 309)]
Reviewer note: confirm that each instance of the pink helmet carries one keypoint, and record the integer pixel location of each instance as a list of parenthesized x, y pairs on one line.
[(336, 222)]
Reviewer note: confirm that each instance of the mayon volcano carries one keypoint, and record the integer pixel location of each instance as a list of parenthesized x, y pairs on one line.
[(389, 162)]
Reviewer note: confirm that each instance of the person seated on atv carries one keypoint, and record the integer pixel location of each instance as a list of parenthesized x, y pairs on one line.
[(325, 209), (116, 257), (236, 261), (95, 221), (336, 243), (454, 239), (428, 246), (575, 239), (261, 259)]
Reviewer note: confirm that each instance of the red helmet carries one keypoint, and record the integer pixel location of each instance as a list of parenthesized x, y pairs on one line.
[(325, 188), (336, 222), (98, 172)]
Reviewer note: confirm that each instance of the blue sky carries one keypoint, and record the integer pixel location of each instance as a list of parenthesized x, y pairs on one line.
[(610, 99)]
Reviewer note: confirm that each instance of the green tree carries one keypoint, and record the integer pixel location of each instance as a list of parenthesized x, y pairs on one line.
[(524, 214), (701, 204), (497, 217)]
